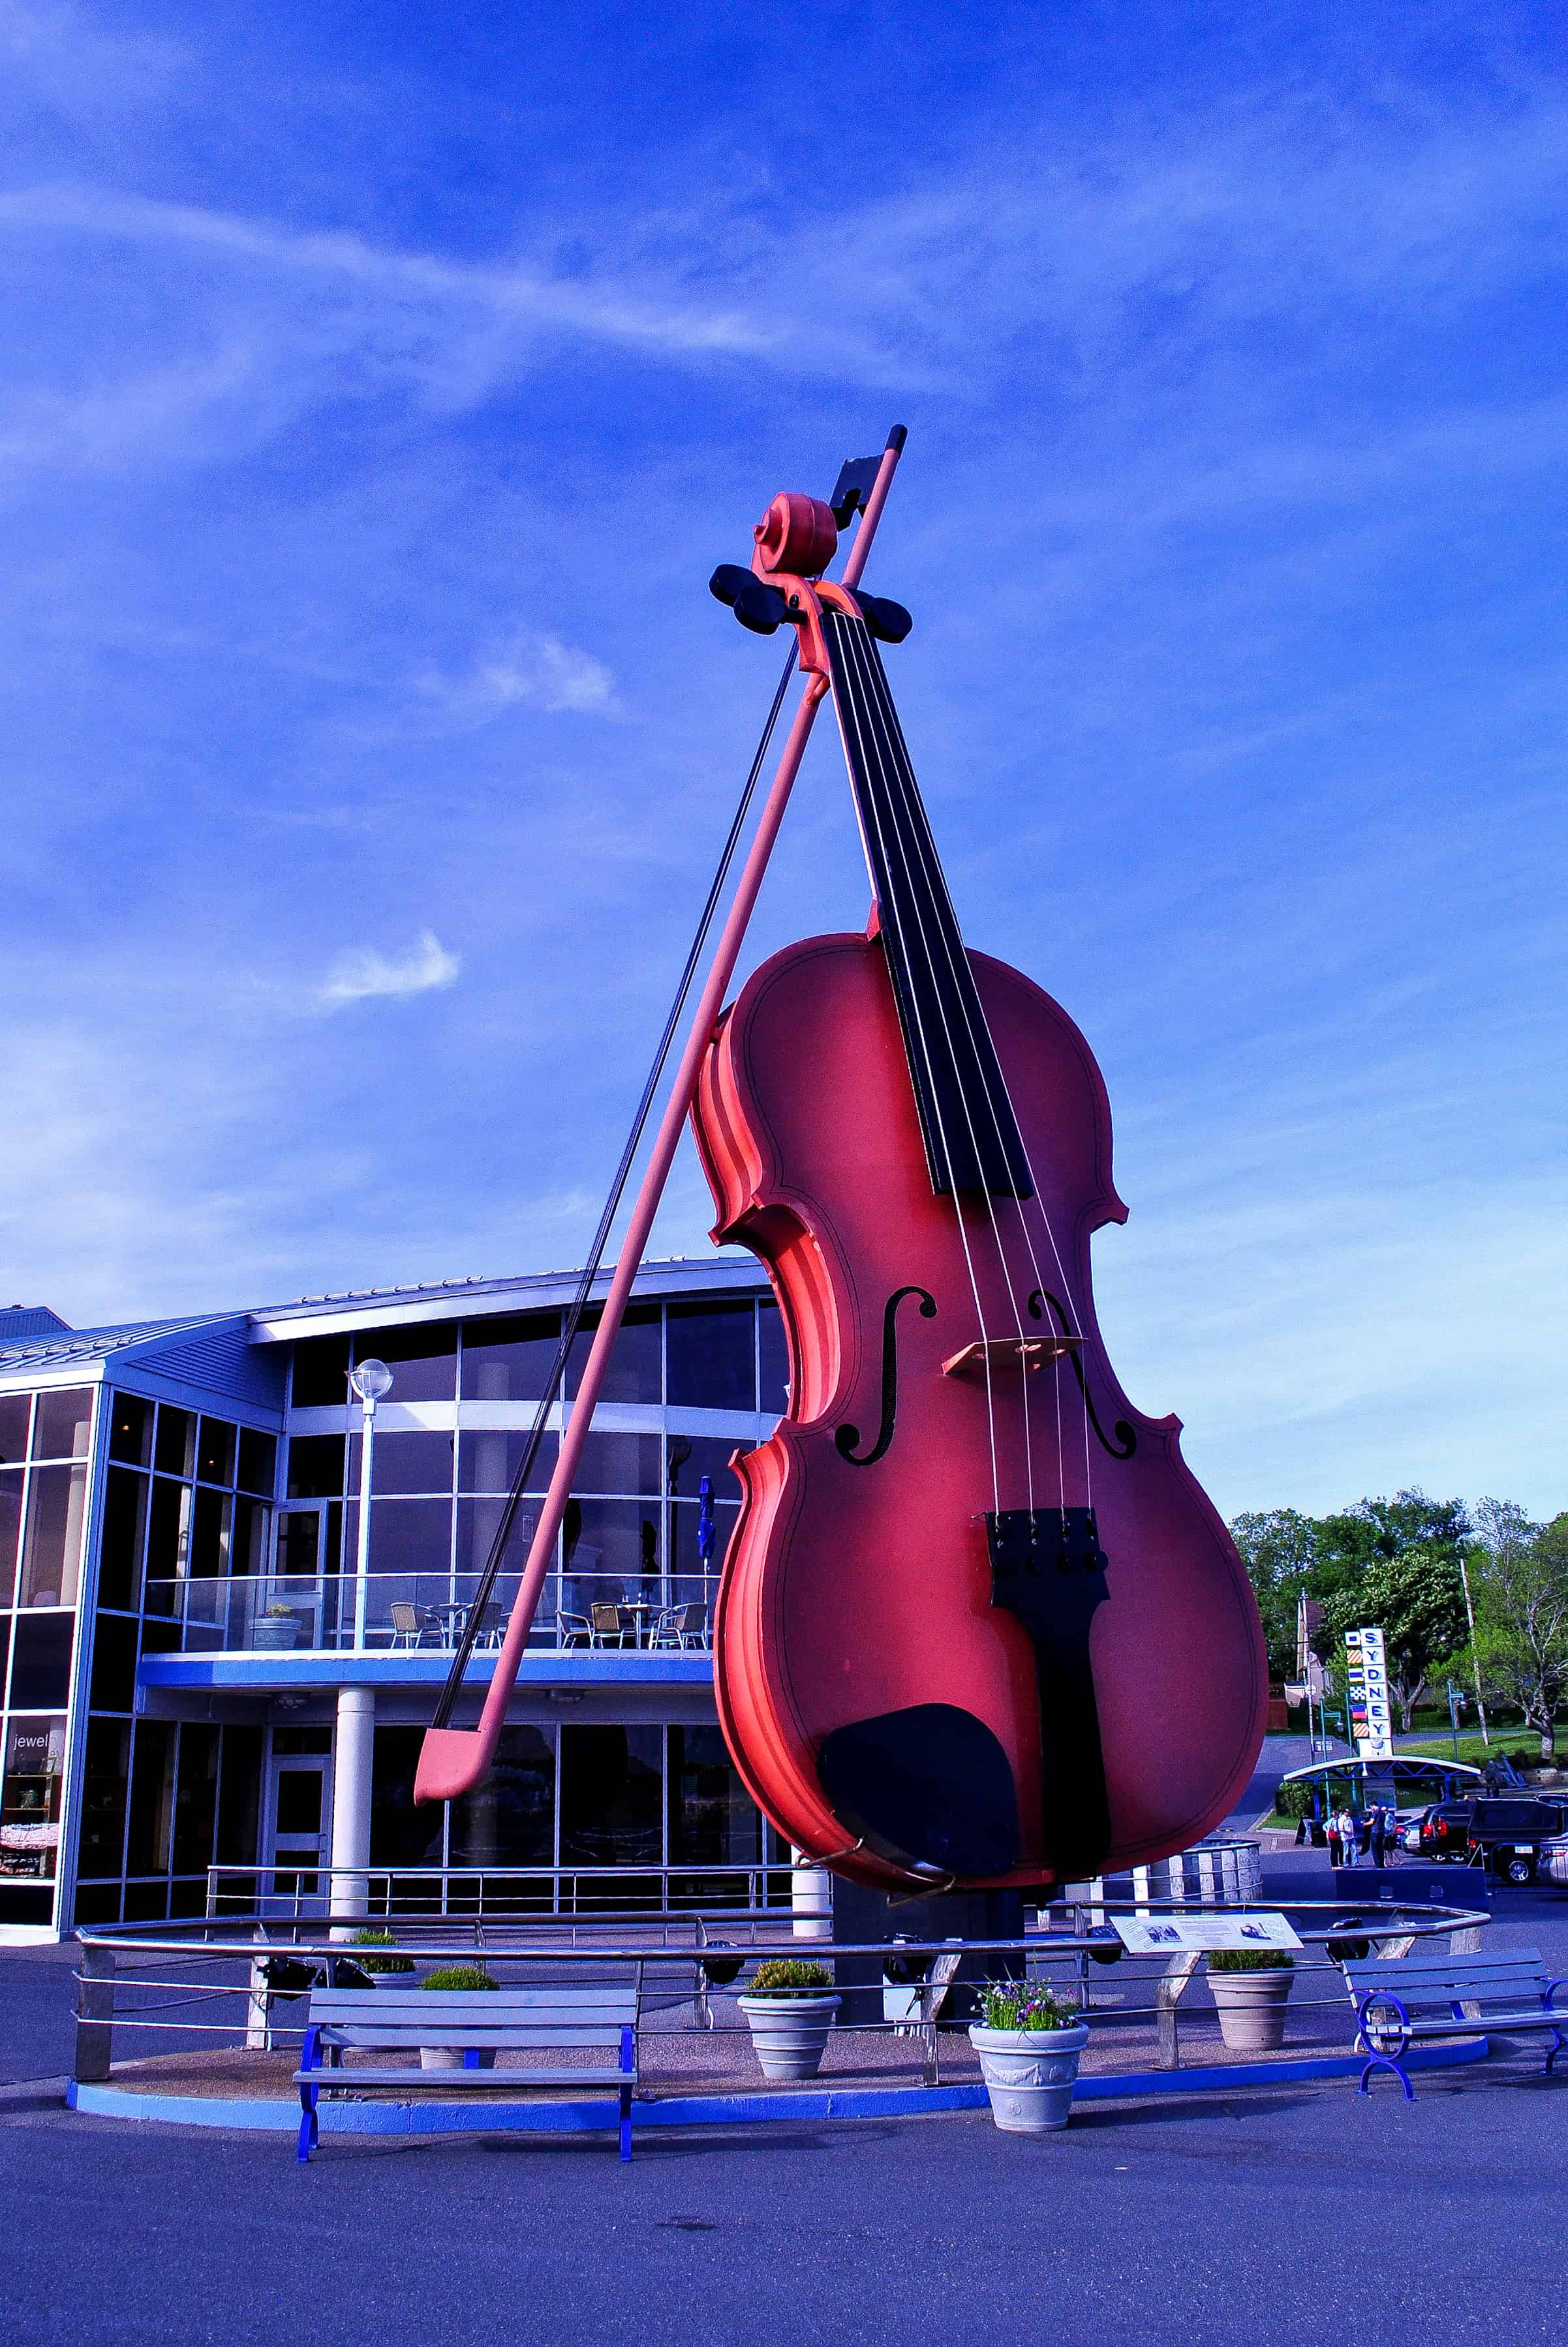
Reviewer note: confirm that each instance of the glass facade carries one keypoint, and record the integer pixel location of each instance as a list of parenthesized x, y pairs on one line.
[(217, 1536)]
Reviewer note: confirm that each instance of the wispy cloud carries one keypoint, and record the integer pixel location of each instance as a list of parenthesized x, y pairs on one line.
[(361, 972), (527, 670)]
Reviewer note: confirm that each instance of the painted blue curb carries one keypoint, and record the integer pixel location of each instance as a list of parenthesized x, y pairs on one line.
[(384, 2118)]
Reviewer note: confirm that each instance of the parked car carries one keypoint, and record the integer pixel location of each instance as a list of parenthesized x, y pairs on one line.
[(1506, 1834), (1552, 1859), (1442, 1832)]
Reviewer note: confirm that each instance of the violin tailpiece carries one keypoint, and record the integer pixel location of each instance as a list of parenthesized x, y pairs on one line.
[(1048, 1569)]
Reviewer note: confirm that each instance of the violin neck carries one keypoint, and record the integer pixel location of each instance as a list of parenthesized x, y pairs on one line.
[(971, 1137)]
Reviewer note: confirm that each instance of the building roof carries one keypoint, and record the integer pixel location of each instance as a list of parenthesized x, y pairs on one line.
[(20, 1321), (176, 1344)]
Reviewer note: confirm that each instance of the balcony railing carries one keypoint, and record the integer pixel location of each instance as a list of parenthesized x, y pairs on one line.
[(425, 1613)]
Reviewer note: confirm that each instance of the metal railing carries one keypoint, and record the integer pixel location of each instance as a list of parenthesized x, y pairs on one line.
[(686, 1969), (414, 1612), (295, 1890)]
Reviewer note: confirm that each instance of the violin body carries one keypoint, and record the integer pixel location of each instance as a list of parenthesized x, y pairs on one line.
[(862, 1580)]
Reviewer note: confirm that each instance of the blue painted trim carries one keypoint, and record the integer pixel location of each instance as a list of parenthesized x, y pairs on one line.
[(709, 2110), (596, 1666)]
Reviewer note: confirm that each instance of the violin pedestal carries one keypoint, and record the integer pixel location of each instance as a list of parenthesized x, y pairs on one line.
[(860, 1914), (1030, 2074)]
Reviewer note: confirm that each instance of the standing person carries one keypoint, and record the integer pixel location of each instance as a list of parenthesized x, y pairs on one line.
[(1378, 1834), (1332, 1835), (1347, 1833)]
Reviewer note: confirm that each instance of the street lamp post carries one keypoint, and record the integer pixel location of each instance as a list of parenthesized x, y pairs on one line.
[(372, 1381)]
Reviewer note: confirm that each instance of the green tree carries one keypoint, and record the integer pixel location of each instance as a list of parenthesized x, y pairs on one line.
[(1519, 1582), (1276, 1547), (1417, 1599)]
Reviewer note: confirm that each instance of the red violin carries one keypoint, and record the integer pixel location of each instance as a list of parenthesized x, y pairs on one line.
[(978, 1625)]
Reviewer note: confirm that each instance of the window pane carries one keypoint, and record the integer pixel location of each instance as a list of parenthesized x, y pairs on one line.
[(634, 1372), (610, 1797), (10, 1529), (119, 1545), (210, 1534), (488, 1463), (104, 1783), (62, 1423), (773, 1359), (423, 1361), (196, 1801), (215, 1450), (52, 1543), (252, 1522), (619, 1462), (30, 1798), (713, 1821), (510, 1820), (239, 1798), (400, 1835), (712, 1356), (130, 1429), (151, 1797), (690, 1457), (509, 1359), (477, 1523), (14, 1412), (321, 1374), (257, 1462), (174, 1452), (612, 1551), (315, 1466), (403, 1463), (167, 1529), (41, 1662), (409, 1535), (114, 1663)]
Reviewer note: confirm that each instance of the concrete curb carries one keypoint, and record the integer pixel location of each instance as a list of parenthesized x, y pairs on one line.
[(272, 2114)]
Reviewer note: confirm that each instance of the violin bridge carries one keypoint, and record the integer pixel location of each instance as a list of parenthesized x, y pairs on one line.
[(1009, 1352)]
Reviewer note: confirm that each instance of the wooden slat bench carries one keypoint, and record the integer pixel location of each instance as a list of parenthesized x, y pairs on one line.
[(403, 2019), (1415, 1999)]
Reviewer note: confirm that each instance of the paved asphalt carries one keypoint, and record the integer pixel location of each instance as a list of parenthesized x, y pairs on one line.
[(1304, 2216)]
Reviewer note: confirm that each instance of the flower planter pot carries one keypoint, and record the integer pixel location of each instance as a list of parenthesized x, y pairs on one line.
[(274, 1635), (1252, 2008), (451, 2058), (1030, 2074), (789, 2033)]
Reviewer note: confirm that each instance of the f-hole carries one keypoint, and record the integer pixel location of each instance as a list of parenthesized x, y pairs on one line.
[(1126, 1440), (847, 1437)]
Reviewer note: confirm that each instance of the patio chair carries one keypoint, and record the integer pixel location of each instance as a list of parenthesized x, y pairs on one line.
[(411, 1625), (576, 1629), (682, 1626), (611, 1625), (492, 1628)]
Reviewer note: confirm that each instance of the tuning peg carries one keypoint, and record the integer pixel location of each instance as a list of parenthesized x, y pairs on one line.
[(890, 623), (757, 605)]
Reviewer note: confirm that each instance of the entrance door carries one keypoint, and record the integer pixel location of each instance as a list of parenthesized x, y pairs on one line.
[(299, 1821)]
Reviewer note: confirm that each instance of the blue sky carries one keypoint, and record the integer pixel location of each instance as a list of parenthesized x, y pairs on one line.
[(381, 387)]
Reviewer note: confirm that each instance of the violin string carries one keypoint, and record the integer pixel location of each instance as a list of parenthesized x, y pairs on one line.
[(855, 635), (889, 747), (847, 710), (935, 883)]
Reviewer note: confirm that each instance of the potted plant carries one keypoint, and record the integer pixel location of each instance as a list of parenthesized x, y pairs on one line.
[(456, 1980), (276, 1630), (789, 2007), (1028, 2043), (1250, 1987), (395, 1961)]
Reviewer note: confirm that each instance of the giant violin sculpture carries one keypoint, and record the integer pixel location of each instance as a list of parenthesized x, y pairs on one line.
[(978, 1625)]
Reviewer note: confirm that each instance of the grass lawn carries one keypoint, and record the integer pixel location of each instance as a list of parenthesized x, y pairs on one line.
[(1512, 1740)]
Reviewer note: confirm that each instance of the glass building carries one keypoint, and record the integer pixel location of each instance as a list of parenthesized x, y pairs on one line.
[(185, 1629)]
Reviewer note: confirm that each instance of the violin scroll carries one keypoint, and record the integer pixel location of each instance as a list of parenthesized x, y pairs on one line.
[(797, 536)]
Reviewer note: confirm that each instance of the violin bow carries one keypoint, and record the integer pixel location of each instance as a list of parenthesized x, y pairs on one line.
[(453, 1760)]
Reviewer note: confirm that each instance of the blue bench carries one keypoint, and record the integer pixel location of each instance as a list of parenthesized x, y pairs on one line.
[(1400, 2002), (406, 2020)]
